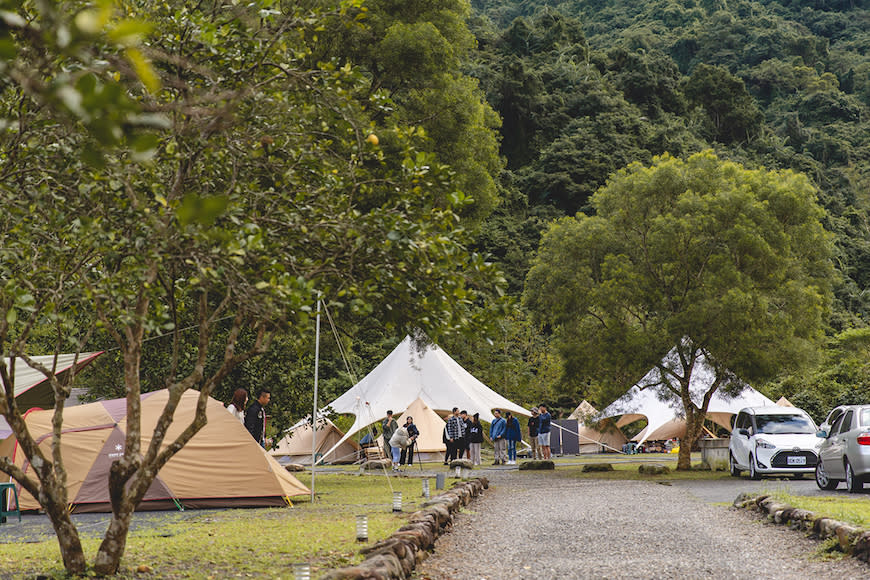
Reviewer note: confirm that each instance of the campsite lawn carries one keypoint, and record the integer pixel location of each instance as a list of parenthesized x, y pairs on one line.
[(854, 510), (261, 543)]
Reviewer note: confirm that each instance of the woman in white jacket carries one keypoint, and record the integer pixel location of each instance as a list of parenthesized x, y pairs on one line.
[(238, 404)]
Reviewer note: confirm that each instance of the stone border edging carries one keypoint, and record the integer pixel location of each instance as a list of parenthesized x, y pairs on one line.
[(397, 556), (852, 540)]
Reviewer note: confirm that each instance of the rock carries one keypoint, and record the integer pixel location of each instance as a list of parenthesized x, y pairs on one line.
[(294, 467), (376, 464), (542, 464), (846, 536), (463, 463), (591, 467), (653, 469)]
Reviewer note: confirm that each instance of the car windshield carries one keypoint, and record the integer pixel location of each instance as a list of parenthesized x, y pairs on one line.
[(782, 424)]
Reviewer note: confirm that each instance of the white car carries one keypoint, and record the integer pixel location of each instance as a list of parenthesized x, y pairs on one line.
[(773, 440)]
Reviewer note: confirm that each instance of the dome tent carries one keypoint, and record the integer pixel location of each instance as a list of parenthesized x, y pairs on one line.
[(221, 466)]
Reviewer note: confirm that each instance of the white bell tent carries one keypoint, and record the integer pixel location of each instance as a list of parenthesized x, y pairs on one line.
[(664, 413), (409, 373)]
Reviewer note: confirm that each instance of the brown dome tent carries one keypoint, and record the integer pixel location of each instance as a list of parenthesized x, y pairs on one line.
[(222, 466)]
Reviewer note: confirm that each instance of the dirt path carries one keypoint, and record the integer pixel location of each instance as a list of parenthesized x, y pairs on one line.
[(543, 525)]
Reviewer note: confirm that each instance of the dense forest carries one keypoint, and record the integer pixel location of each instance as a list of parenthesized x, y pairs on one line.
[(536, 103), (585, 88)]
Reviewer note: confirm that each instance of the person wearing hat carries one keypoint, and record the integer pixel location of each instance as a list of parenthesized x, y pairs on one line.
[(534, 423)]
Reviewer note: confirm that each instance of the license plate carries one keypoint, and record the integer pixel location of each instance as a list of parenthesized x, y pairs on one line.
[(797, 460)]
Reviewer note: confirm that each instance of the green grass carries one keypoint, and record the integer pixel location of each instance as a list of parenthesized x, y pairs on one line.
[(262, 543), (853, 510)]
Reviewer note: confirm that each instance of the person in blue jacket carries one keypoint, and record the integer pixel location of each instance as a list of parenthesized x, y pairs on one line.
[(544, 432), (512, 435), (497, 432)]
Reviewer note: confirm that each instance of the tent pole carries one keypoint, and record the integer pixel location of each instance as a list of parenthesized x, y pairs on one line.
[(314, 413)]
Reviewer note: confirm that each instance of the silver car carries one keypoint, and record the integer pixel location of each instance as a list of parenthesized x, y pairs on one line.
[(844, 453)]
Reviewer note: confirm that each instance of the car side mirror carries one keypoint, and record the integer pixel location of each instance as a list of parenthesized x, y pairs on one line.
[(744, 432), (822, 433)]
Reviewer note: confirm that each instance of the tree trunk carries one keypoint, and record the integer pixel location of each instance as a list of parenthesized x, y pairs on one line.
[(111, 550), (67, 537), (694, 424)]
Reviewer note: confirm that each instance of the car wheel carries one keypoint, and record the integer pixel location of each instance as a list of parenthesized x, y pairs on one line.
[(853, 484), (822, 479), (732, 466), (753, 471)]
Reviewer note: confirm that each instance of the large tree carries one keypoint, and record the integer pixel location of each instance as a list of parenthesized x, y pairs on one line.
[(701, 255), (220, 192)]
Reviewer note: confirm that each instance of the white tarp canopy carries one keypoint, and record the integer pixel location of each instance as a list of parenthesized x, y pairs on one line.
[(408, 374), (664, 412), (27, 379)]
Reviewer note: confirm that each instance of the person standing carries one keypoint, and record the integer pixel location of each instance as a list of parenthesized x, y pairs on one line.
[(463, 443), (497, 432), (413, 433), (455, 433), (534, 422), (238, 404), (398, 444), (388, 426), (255, 417), (475, 439), (544, 432), (512, 434)]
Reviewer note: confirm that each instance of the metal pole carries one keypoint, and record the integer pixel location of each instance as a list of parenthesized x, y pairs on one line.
[(314, 413)]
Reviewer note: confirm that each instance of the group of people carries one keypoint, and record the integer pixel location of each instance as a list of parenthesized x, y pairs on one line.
[(464, 436), (253, 417), (399, 441)]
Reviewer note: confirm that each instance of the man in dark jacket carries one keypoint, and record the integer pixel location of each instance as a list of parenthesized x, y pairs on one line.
[(255, 417), (534, 422), (408, 452)]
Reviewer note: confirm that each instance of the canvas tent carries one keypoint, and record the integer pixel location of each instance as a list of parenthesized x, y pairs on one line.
[(664, 414), (295, 446), (783, 402), (32, 389), (221, 466), (591, 440), (430, 445), (407, 374)]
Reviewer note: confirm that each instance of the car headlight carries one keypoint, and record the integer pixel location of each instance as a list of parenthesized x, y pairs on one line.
[(764, 444)]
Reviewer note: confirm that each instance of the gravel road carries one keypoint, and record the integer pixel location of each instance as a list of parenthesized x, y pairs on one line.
[(541, 525)]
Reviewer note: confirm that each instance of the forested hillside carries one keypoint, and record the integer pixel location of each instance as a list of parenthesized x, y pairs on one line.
[(586, 87)]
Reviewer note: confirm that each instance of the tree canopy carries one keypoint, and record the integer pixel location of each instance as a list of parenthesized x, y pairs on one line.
[(702, 255)]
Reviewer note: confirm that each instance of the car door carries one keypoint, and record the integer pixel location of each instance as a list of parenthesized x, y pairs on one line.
[(739, 442), (832, 449)]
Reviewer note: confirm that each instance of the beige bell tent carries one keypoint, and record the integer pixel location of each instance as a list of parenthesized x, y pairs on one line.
[(591, 440), (295, 446), (430, 444), (222, 466), (783, 402)]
